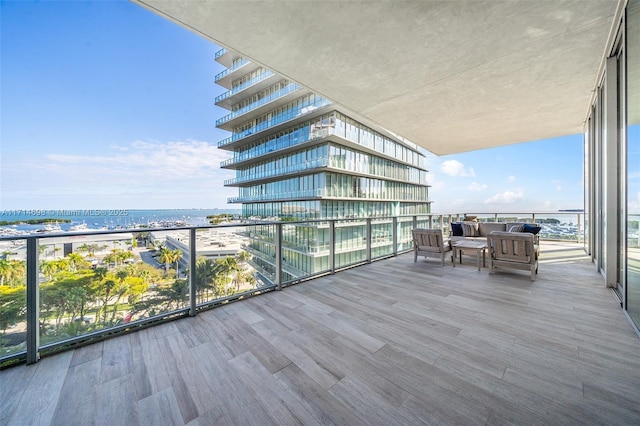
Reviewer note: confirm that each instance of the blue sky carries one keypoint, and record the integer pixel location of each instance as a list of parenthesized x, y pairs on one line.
[(106, 105)]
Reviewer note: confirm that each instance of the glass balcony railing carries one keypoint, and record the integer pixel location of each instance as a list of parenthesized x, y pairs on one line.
[(555, 225), (220, 53), (68, 288), (228, 71), (273, 96), (60, 290), (284, 116), (311, 193), (283, 171), (279, 144), (244, 85)]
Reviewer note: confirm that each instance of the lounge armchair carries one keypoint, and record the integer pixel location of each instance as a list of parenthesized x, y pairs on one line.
[(430, 242), (513, 250)]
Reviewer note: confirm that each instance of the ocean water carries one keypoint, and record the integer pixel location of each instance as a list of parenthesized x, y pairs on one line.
[(112, 219)]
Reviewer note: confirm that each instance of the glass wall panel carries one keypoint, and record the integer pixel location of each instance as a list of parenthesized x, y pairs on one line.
[(405, 238), (91, 283), (381, 238), (633, 159), (224, 267), (351, 243), (13, 297)]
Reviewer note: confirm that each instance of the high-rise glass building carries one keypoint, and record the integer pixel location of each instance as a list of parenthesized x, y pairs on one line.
[(297, 156)]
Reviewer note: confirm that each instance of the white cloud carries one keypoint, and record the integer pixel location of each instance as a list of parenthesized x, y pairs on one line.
[(456, 168), (142, 174), (558, 188), (432, 179), (511, 178), (475, 186), (158, 160), (548, 204), (507, 197)]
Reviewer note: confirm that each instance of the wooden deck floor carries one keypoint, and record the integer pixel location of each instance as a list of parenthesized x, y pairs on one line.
[(388, 343)]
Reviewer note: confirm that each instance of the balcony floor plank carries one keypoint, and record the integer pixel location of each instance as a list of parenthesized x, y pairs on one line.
[(393, 342), (40, 395)]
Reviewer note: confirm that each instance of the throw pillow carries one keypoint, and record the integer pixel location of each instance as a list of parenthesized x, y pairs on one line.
[(516, 228), (456, 229), (469, 229), (532, 229)]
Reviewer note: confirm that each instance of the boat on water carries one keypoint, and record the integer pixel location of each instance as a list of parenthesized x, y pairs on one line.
[(49, 227), (11, 232), (79, 228), (167, 224)]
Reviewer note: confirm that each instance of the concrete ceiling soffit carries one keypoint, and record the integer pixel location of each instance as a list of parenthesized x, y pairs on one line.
[(451, 76)]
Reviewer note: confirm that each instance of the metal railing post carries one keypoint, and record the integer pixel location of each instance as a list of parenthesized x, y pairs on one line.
[(33, 301), (332, 246), (394, 233), (579, 227), (193, 284), (279, 256), (369, 240)]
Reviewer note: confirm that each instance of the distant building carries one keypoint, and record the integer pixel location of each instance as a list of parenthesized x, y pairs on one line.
[(210, 244), (298, 156)]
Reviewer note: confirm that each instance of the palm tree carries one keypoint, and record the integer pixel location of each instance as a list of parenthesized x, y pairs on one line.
[(177, 255), (109, 259), (124, 255), (245, 277), (122, 274), (166, 256), (206, 271), (243, 256), (228, 268), (83, 248), (49, 268), (100, 273), (63, 264), (75, 260), (42, 248), (7, 270)]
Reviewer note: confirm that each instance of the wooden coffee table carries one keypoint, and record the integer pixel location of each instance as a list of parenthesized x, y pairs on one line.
[(479, 246)]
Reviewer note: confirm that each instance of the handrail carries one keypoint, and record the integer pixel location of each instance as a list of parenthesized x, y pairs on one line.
[(287, 115), (240, 87), (550, 230), (388, 235), (312, 164), (38, 320), (276, 145), (273, 96), (242, 62)]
